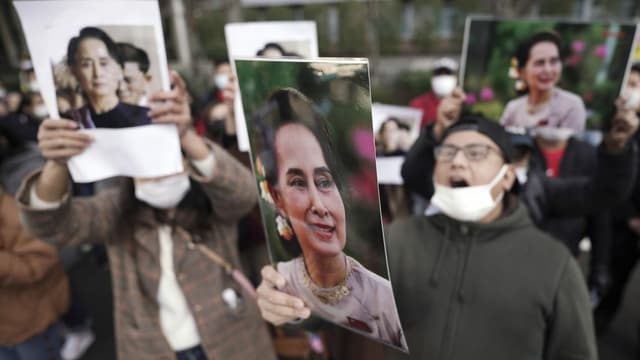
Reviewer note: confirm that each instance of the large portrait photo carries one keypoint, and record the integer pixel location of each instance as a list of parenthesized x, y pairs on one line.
[(313, 153), (545, 73)]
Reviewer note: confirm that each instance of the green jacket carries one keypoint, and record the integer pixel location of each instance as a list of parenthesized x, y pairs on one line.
[(503, 290)]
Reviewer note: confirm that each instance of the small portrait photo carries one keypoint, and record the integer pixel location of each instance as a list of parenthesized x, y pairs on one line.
[(106, 75), (545, 74), (268, 39), (396, 128), (98, 63), (312, 146)]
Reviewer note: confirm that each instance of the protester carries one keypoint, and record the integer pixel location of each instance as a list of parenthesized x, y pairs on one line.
[(34, 291), (625, 248), (170, 299), (443, 81), (23, 123), (509, 291)]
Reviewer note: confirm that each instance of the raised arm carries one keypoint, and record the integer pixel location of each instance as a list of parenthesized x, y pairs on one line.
[(615, 174), (228, 184), (417, 169), (47, 207)]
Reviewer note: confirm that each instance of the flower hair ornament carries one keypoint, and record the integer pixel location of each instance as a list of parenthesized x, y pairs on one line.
[(515, 74), (284, 227), (263, 185)]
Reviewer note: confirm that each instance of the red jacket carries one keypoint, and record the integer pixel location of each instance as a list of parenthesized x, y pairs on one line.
[(428, 103)]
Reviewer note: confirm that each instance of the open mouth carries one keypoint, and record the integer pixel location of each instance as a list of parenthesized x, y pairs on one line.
[(458, 183)]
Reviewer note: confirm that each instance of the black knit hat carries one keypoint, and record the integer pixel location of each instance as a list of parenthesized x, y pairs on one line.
[(486, 127)]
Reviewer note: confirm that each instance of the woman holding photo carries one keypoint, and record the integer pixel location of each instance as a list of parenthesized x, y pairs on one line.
[(171, 301), (93, 59), (300, 180), (539, 67)]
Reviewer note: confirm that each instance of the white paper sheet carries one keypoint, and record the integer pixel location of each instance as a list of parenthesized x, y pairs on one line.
[(407, 115), (133, 151), (388, 169), (245, 39)]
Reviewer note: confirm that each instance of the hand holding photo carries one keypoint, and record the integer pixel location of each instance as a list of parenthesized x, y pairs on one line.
[(102, 68)]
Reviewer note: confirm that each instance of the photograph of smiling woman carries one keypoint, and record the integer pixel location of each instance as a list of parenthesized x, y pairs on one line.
[(298, 175), (537, 65)]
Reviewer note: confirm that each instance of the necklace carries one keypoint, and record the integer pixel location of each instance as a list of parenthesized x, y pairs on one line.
[(535, 108), (332, 295)]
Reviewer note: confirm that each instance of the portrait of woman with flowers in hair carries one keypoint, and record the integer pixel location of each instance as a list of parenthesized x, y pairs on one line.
[(297, 174)]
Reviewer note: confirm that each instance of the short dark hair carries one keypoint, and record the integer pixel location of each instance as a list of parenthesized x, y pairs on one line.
[(91, 33), (286, 106), (524, 48), (271, 45), (401, 125), (130, 53)]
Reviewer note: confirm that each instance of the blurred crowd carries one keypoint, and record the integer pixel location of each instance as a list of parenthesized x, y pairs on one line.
[(216, 208)]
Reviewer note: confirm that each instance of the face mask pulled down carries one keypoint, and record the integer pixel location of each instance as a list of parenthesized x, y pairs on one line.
[(470, 203), (164, 193)]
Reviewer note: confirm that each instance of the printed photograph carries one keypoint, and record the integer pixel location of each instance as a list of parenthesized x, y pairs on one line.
[(554, 73), (99, 68), (313, 153), (268, 39)]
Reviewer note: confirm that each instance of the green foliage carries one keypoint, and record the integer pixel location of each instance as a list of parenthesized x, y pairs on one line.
[(489, 109)]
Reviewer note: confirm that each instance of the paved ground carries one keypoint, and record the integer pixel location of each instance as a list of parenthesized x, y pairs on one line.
[(619, 343)]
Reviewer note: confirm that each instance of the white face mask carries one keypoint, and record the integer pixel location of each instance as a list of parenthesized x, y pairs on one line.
[(521, 174), (221, 81), (40, 111), (34, 86), (443, 85), (471, 203), (164, 193), (551, 133), (633, 99)]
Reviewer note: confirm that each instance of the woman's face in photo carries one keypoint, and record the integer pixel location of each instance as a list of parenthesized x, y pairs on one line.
[(97, 72), (543, 68), (307, 193)]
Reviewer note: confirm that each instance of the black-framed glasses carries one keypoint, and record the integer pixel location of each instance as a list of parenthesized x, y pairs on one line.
[(473, 152)]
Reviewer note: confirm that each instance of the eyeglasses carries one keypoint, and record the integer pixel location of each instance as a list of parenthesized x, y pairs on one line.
[(473, 152)]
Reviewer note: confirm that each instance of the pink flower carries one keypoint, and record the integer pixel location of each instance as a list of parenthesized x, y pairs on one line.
[(573, 60), (486, 94), (601, 51), (578, 46), (363, 142), (471, 99)]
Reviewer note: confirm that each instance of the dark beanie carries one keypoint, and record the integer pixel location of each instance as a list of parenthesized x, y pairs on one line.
[(492, 130)]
